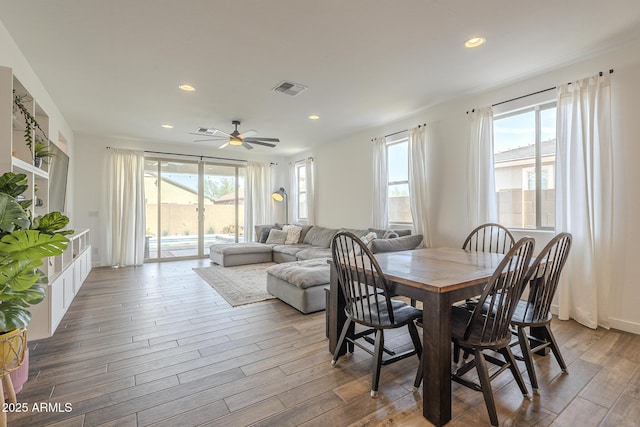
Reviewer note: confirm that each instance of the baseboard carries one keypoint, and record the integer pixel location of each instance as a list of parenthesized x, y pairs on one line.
[(614, 323), (624, 325)]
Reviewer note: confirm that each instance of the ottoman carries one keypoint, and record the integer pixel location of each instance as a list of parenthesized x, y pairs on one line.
[(228, 255), (300, 284)]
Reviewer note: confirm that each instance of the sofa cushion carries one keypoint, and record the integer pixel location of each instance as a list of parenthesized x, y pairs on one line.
[(380, 233), (293, 234), (262, 232), (305, 230), (290, 249), (314, 253), (319, 236), (403, 243), (303, 274), (276, 237)]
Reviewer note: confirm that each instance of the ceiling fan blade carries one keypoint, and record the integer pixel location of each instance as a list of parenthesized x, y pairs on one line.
[(209, 139), (257, 139), (248, 133), (266, 144), (224, 145), (247, 146)]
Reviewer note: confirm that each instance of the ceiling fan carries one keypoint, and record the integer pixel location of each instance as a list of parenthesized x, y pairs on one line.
[(235, 137)]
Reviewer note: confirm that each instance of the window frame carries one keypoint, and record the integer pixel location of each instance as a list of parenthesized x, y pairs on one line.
[(538, 166), (402, 138), (298, 166)]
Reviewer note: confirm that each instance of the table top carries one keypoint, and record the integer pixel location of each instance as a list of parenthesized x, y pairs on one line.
[(438, 269)]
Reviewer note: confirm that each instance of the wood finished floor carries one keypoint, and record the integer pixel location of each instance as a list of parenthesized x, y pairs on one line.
[(155, 345)]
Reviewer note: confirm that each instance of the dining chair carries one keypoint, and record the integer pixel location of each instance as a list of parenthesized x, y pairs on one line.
[(488, 237), (542, 279), (368, 303), (487, 326)]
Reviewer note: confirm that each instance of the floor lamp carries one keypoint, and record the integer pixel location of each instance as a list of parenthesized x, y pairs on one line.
[(279, 196)]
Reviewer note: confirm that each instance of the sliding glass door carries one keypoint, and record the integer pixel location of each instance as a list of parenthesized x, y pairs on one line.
[(191, 205), (223, 215)]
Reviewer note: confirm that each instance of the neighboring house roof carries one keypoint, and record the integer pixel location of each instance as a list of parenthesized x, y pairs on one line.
[(526, 152), (229, 199)]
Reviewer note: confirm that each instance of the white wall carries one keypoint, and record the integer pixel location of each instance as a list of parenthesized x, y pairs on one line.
[(344, 169)]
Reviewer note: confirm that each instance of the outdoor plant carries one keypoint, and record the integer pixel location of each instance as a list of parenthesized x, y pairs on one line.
[(24, 242)]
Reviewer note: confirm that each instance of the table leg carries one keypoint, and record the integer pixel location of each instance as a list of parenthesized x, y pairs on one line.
[(337, 318), (436, 329)]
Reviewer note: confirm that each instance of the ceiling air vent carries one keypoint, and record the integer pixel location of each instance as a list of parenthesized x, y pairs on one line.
[(205, 131), (289, 88)]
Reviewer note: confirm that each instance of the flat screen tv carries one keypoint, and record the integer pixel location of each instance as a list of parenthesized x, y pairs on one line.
[(58, 170)]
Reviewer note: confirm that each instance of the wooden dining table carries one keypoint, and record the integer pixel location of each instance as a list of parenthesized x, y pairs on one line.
[(438, 277)]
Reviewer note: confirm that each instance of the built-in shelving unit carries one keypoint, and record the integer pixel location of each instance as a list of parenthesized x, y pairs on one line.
[(66, 272)]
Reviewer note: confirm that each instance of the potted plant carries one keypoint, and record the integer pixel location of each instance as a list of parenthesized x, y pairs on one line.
[(31, 124), (24, 242), (41, 152)]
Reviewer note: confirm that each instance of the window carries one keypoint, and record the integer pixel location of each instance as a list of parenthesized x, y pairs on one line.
[(399, 209), (301, 185), (524, 164)]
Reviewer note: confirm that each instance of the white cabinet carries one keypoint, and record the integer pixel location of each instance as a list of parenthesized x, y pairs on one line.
[(67, 273)]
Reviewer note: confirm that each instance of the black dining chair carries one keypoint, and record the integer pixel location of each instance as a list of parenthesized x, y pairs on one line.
[(488, 237), (542, 279), (487, 326), (369, 303)]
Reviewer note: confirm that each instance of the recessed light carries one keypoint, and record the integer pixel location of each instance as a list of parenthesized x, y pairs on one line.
[(313, 117), (475, 41), (187, 88), (167, 126)]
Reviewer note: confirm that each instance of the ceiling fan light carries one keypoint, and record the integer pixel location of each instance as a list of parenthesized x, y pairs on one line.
[(235, 141)]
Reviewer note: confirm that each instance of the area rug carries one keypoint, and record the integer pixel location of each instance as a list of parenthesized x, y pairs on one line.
[(243, 284)]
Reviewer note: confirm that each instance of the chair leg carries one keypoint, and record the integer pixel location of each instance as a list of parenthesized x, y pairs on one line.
[(525, 347), (343, 335), (508, 357), (418, 380), (485, 384), (554, 347), (415, 338), (377, 362)]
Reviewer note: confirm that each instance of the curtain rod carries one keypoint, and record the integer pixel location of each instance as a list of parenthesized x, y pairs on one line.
[(191, 155), (534, 93), (400, 131)]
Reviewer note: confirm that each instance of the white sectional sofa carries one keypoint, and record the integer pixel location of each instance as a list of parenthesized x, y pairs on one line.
[(302, 272)]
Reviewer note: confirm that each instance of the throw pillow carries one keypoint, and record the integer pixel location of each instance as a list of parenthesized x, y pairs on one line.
[(264, 236), (293, 234), (276, 237), (390, 234)]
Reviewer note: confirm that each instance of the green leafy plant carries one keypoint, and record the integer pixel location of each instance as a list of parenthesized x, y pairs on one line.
[(41, 150), (31, 124), (24, 242)]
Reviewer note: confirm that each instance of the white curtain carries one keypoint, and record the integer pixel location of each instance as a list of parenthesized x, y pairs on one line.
[(380, 182), (125, 207), (258, 198), (584, 198), (482, 202), (418, 183), (311, 191)]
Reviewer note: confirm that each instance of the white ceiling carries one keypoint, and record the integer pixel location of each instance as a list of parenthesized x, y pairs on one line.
[(113, 66)]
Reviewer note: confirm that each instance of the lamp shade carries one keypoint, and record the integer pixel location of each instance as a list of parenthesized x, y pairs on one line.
[(279, 195)]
